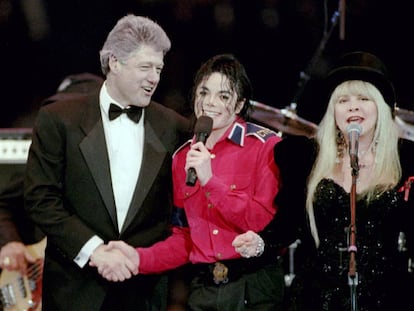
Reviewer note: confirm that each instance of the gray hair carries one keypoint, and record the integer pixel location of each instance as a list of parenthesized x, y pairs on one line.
[(128, 35)]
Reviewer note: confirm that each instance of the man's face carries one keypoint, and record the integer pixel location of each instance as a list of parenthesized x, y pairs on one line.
[(134, 81)]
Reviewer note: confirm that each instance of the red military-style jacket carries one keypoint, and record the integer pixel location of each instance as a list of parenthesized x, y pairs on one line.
[(239, 197)]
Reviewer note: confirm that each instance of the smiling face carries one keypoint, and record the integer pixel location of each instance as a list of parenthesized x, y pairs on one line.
[(215, 98), (133, 81)]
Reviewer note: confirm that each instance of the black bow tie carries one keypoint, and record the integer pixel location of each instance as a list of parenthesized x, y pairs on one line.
[(133, 112)]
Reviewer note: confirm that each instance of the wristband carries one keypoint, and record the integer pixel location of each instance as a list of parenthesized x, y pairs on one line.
[(260, 247)]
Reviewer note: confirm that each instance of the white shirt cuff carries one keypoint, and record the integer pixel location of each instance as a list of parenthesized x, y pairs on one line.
[(83, 257)]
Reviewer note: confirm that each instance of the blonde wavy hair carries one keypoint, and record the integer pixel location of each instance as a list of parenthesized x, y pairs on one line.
[(387, 169)]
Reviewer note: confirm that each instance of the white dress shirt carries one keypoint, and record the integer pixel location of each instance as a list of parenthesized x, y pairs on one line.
[(125, 144)]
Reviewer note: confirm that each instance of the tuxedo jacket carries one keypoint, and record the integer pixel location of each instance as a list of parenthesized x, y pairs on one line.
[(68, 194)]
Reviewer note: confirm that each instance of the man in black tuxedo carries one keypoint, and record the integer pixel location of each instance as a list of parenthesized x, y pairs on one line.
[(21, 242), (99, 169)]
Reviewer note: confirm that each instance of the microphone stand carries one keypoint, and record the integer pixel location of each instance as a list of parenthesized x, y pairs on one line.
[(305, 75), (289, 277), (342, 8), (352, 249)]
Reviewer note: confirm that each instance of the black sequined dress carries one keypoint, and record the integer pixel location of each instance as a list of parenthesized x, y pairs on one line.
[(380, 263)]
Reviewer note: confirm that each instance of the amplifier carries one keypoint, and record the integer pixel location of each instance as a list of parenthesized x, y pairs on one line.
[(14, 145), (14, 149)]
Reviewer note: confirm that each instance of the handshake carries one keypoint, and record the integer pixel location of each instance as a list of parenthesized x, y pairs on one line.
[(115, 261)]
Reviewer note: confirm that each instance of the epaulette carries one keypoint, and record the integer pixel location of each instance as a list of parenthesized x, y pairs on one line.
[(182, 146), (262, 133)]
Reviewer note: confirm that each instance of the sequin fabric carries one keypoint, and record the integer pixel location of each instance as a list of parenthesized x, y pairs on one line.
[(381, 267)]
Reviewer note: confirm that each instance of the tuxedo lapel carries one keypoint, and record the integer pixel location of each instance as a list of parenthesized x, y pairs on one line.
[(93, 148), (153, 158)]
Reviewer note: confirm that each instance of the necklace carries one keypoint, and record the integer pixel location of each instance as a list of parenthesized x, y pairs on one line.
[(364, 160), (361, 165), (364, 153)]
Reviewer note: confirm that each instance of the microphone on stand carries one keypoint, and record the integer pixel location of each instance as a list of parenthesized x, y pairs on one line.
[(353, 130), (202, 130)]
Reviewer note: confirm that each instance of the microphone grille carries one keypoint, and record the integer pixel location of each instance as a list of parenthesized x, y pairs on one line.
[(354, 127), (204, 124)]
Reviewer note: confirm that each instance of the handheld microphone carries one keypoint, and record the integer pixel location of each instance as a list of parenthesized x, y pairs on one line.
[(202, 130), (353, 130)]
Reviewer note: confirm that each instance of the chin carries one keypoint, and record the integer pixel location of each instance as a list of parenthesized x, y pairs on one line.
[(144, 101)]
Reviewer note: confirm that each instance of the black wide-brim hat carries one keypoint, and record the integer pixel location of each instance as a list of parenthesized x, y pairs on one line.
[(362, 66)]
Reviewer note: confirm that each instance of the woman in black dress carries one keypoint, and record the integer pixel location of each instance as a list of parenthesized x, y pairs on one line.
[(360, 106)]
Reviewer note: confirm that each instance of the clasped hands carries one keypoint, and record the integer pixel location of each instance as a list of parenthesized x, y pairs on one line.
[(116, 261)]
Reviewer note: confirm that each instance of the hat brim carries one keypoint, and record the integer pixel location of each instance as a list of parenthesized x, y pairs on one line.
[(375, 77)]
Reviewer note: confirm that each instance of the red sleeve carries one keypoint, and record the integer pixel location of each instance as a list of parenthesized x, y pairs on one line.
[(166, 255)]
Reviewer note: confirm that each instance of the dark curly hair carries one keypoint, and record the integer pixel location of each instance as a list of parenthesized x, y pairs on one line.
[(229, 66)]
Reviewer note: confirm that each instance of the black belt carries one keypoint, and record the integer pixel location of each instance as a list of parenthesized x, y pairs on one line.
[(222, 272)]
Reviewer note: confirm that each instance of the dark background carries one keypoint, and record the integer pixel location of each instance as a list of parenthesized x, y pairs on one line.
[(42, 41)]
